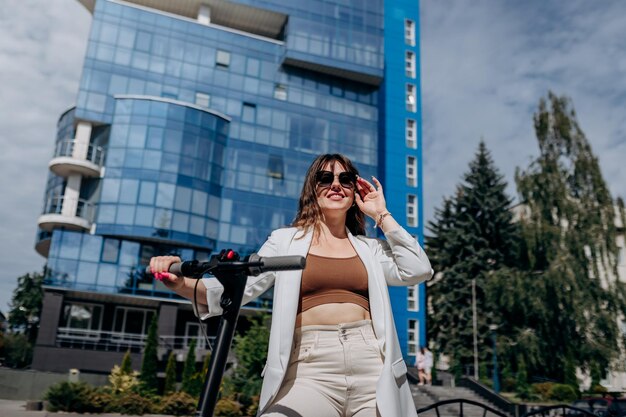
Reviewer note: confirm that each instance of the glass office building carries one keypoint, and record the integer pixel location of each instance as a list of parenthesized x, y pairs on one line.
[(193, 126)]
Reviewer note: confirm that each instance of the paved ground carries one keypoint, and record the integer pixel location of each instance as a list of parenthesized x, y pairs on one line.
[(14, 408)]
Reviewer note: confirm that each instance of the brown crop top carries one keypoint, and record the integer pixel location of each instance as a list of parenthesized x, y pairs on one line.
[(333, 280)]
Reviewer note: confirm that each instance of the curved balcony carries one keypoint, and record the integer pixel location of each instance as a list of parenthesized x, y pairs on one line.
[(71, 157), (42, 245), (69, 213)]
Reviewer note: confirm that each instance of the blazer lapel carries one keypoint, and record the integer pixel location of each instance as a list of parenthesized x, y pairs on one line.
[(286, 298)]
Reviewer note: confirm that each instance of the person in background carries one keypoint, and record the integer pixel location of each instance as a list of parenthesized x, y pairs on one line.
[(333, 348), (428, 365), (420, 362)]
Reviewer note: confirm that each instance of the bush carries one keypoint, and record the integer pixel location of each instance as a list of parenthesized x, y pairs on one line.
[(132, 403), (508, 384), (599, 389), (121, 382), (178, 404), (563, 392), (228, 407), (69, 396), (100, 400), (543, 390), (253, 408), (18, 352)]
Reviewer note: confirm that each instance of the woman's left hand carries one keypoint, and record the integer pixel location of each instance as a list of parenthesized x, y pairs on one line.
[(370, 199)]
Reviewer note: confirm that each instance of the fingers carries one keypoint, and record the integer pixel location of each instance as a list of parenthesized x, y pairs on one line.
[(378, 184), (366, 184), (160, 265), (358, 200), (361, 191)]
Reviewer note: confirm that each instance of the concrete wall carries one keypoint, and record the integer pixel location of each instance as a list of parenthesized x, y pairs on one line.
[(32, 385)]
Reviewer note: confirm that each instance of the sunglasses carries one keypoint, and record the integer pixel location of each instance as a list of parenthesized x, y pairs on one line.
[(326, 178)]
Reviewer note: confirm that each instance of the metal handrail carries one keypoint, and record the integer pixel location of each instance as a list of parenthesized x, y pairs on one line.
[(461, 401), (491, 396), (84, 209), (95, 154), (547, 411), (119, 341)]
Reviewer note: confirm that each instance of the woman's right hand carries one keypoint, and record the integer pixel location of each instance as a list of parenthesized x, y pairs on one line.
[(160, 265)]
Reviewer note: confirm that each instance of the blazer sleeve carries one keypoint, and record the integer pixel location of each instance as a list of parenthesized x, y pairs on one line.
[(255, 286), (403, 260)]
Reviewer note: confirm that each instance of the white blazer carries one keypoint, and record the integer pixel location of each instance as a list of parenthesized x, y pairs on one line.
[(397, 261)]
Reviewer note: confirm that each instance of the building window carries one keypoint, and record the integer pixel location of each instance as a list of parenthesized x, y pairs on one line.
[(413, 337), (411, 210), (275, 167), (133, 321), (222, 59), (193, 332), (203, 99), (409, 32), (411, 137), (412, 302), (411, 99), (409, 63), (621, 255), (280, 92), (111, 250), (411, 171), (248, 113), (81, 321)]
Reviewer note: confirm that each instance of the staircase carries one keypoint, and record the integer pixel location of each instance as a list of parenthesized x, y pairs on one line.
[(426, 395)]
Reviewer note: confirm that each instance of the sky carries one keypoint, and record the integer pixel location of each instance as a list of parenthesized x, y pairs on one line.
[(484, 66)]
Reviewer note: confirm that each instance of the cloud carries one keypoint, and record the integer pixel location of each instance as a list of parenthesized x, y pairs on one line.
[(42, 45), (486, 64)]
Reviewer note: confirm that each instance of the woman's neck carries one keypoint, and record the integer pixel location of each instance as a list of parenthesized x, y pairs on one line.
[(335, 227)]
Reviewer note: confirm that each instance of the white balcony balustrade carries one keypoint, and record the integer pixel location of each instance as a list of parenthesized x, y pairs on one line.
[(73, 157), (70, 213)]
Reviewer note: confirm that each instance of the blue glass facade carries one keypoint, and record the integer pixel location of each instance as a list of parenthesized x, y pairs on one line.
[(207, 131)]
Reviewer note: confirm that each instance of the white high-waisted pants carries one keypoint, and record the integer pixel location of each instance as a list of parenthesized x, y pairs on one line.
[(332, 372)]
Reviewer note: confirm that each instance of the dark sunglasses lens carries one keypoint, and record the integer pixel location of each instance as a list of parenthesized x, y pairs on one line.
[(324, 178), (346, 179)]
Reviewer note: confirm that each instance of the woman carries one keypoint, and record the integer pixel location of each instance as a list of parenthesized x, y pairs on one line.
[(420, 364), (333, 346)]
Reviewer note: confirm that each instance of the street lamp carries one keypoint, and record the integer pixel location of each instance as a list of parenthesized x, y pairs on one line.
[(496, 379)]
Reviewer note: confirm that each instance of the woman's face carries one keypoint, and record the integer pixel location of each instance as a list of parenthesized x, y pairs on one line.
[(337, 195)]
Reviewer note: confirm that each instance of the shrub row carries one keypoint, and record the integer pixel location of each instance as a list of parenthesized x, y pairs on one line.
[(83, 398), (555, 392)]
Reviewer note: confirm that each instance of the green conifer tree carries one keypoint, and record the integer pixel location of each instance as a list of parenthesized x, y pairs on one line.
[(189, 370), (472, 236), (149, 364), (127, 364), (169, 385)]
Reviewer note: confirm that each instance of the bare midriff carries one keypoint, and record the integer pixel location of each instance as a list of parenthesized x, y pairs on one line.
[(332, 313)]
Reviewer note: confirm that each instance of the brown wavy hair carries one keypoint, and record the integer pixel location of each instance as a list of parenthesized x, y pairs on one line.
[(309, 212)]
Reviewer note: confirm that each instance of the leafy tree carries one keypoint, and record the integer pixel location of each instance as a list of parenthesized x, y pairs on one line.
[(170, 375), (563, 303), (250, 349), (472, 236), (18, 351), (189, 370), (149, 364), (26, 305)]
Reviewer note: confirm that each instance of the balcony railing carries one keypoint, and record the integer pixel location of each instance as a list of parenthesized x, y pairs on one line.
[(121, 341), (84, 209), (71, 213), (65, 148)]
